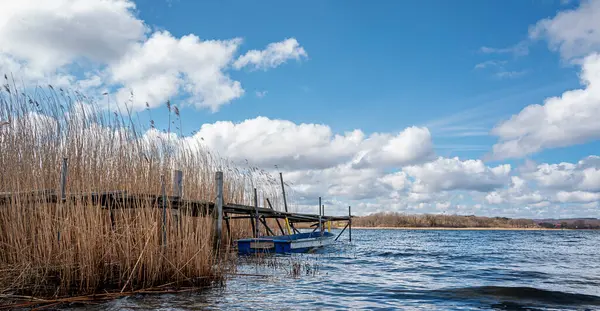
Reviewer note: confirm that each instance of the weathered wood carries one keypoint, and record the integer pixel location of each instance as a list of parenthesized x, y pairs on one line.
[(283, 190), (164, 210), (178, 183), (320, 217), (350, 223), (63, 179), (228, 229), (257, 230), (276, 219), (264, 222), (123, 199), (219, 204), (346, 226)]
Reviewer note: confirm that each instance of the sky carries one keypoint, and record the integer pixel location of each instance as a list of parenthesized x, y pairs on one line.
[(466, 107)]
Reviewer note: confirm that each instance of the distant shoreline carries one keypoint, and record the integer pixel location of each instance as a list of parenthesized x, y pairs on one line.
[(465, 228)]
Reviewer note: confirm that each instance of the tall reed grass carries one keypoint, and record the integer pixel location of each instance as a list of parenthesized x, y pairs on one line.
[(73, 248)]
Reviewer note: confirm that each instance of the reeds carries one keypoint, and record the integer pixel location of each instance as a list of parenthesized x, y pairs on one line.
[(76, 248)]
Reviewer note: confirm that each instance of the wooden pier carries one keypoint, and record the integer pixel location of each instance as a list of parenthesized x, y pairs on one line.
[(220, 211)]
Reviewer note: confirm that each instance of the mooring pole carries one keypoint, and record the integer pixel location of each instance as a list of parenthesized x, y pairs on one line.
[(323, 216), (283, 190), (164, 210), (256, 214), (320, 222), (63, 180), (63, 190), (219, 203), (276, 219), (178, 193), (178, 183), (228, 229), (350, 222)]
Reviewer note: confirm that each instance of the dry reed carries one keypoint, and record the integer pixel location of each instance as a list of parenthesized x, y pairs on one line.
[(73, 248)]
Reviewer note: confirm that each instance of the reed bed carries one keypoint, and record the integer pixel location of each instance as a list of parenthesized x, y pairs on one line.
[(73, 247)]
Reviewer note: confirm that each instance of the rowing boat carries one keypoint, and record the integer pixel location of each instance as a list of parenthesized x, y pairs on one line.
[(281, 244)]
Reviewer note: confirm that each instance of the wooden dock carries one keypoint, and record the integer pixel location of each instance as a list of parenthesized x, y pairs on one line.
[(220, 210)]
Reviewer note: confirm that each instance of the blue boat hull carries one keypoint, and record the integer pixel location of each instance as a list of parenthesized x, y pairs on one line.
[(283, 244)]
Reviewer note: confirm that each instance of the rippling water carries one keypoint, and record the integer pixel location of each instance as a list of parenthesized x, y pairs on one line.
[(414, 270)]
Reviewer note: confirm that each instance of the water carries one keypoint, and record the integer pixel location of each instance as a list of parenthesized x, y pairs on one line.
[(414, 270)]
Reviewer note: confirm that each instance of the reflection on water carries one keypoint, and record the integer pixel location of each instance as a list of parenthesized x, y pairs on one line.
[(414, 270)]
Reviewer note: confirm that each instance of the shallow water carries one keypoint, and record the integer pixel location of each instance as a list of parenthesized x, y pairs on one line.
[(414, 270)]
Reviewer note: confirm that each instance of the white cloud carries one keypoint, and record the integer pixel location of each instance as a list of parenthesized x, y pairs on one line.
[(561, 121), (266, 142), (410, 146), (574, 33), (261, 94), (519, 49), (274, 55), (398, 180), (50, 34), (342, 182), (164, 66), (577, 196), (517, 193), (582, 176), (510, 74), (491, 63), (103, 45), (446, 174)]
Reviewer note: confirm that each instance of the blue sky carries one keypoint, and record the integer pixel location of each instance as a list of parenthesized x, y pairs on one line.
[(382, 68), (409, 106)]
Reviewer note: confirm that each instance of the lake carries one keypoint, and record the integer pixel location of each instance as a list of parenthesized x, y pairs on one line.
[(413, 270)]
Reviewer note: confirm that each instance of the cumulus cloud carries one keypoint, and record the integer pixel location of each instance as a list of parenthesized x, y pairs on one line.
[(574, 33), (342, 181), (268, 142), (109, 47), (164, 66), (581, 176), (577, 196), (561, 121), (272, 56), (518, 192), (408, 147), (542, 185), (453, 174), (34, 31)]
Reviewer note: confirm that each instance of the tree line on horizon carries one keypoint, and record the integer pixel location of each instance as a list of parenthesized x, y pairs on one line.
[(395, 219)]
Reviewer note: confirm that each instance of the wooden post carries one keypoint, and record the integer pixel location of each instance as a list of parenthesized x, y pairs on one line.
[(63, 180), (228, 229), (178, 183), (264, 222), (219, 206), (350, 223), (322, 216), (346, 226), (283, 190), (276, 219), (63, 190), (164, 210), (178, 193), (320, 222), (256, 229)]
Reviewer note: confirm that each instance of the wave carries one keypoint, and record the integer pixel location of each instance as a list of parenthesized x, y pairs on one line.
[(521, 295)]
